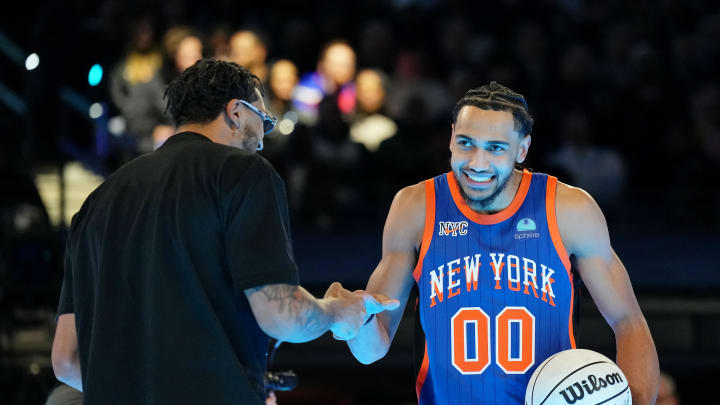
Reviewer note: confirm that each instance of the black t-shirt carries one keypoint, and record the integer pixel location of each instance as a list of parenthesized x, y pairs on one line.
[(157, 260)]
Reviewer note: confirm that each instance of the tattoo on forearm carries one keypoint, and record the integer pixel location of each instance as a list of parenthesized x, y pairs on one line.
[(297, 305), (278, 292)]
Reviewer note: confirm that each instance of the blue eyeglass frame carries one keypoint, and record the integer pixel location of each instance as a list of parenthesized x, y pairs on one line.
[(268, 120)]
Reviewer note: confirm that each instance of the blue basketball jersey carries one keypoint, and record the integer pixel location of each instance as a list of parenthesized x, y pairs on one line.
[(495, 293)]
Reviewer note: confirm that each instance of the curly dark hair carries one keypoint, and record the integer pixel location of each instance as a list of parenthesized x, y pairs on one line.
[(201, 92), (497, 97)]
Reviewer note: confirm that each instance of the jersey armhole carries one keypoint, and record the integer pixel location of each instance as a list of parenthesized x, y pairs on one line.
[(550, 206), (552, 222), (429, 226)]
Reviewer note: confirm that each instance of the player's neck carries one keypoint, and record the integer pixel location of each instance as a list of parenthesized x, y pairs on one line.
[(506, 196)]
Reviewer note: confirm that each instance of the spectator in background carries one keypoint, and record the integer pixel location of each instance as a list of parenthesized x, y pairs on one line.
[(371, 126), (332, 80), (137, 88), (182, 48), (249, 50), (219, 42), (283, 79)]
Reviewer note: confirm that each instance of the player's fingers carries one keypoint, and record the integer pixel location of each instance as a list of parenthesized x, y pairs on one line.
[(388, 304), (333, 290), (372, 305)]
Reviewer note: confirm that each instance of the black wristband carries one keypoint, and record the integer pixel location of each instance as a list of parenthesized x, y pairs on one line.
[(369, 319)]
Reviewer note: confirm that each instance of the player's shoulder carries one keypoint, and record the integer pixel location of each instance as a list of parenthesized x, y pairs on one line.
[(579, 218), (412, 194), (407, 213), (572, 200), (411, 201)]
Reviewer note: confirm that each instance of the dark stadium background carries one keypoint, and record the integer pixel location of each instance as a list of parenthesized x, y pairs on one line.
[(635, 83)]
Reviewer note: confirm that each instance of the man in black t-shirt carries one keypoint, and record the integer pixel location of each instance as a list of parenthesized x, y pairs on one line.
[(180, 265)]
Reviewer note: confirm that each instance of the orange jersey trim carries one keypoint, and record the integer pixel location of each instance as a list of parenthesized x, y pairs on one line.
[(490, 219), (422, 374), (429, 226), (559, 246)]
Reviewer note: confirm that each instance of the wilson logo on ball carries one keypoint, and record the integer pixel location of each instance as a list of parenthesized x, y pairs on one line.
[(589, 386)]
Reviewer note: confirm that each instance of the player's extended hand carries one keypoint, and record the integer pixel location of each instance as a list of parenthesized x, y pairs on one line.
[(375, 301), (352, 309)]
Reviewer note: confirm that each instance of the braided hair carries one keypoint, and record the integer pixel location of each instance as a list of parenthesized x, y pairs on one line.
[(201, 92), (497, 97)]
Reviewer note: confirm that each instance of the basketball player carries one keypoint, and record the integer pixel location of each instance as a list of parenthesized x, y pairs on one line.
[(489, 247), (180, 265)]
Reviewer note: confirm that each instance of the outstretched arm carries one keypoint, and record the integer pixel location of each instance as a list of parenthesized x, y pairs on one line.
[(585, 234), (289, 313), (393, 275)]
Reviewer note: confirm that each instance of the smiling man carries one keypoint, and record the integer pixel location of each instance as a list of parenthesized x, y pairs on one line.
[(489, 247)]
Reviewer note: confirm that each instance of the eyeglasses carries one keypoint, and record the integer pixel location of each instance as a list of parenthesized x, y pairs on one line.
[(268, 120)]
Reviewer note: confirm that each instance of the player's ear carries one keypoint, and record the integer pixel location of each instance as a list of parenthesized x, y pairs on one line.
[(524, 148)]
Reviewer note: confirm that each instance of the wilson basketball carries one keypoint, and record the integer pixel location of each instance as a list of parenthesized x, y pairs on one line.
[(578, 377)]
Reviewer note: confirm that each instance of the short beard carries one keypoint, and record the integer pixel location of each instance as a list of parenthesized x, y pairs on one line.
[(249, 140), (482, 205)]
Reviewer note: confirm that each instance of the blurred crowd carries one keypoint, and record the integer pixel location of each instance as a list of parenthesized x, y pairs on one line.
[(338, 144), (625, 96)]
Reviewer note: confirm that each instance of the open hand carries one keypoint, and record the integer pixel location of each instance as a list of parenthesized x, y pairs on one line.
[(352, 309)]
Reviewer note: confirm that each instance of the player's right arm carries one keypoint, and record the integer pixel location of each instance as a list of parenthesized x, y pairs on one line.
[(585, 235), (393, 275), (290, 313)]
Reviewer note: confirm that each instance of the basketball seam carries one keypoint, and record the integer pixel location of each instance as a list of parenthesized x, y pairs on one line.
[(614, 396), (532, 392), (566, 377)]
